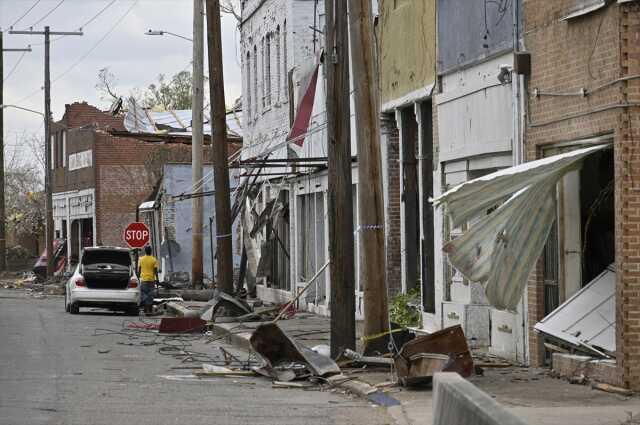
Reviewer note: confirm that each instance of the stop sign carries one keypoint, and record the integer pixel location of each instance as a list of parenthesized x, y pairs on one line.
[(136, 235)]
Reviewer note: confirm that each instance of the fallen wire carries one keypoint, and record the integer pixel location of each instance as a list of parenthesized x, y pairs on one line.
[(178, 347)]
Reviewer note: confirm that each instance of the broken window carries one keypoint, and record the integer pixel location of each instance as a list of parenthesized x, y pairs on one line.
[(280, 246), (311, 245)]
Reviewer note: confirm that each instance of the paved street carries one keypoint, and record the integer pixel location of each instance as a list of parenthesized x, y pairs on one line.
[(54, 370)]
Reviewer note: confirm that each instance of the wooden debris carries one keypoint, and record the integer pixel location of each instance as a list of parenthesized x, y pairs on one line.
[(387, 384), (611, 389), (496, 365), (229, 373), (280, 384)]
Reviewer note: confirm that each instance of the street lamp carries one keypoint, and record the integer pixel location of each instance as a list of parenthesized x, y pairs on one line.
[(162, 32), (20, 107)]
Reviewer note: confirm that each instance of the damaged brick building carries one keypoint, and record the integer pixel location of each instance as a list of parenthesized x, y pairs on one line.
[(584, 89), (98, 179)]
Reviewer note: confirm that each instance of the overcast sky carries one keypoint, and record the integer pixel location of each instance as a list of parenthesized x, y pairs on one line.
[(134, 58)]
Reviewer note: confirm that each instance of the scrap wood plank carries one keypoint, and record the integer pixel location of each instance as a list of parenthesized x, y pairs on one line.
[(280, 384), (225, 373), (492, 364), (611, 389)]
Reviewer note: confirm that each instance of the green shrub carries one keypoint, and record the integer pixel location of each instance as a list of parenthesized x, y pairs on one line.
[(405, 309)]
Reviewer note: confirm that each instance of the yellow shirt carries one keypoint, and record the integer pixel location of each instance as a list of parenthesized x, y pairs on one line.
[(147, 265)]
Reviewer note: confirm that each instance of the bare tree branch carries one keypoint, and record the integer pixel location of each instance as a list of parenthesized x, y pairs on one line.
[(230, 7)]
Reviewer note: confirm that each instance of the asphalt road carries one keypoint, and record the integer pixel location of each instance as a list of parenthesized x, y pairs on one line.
[(55, 370)]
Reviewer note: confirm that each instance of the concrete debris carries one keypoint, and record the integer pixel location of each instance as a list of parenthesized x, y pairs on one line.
[(443, 351)]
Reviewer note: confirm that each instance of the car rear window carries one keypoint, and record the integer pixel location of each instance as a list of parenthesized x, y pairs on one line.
[(106, 256)]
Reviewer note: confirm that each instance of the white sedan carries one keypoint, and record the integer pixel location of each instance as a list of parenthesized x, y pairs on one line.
[(105, 277)]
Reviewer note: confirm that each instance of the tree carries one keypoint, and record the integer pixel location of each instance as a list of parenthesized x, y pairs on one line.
[(173, 94), (106, 85), (166, 94), (24, 196)]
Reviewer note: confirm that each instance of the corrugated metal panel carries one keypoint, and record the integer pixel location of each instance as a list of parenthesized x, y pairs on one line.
[(588, 319), (500, 249), (176, 122)]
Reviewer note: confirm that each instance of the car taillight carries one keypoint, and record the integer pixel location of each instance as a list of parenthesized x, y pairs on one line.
[(133, 282), (80, 282)]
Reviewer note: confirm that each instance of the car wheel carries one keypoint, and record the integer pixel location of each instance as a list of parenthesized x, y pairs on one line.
[(74, 308), (66, 303)]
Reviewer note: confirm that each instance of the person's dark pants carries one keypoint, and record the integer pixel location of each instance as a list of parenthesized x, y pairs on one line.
[(147, 291)]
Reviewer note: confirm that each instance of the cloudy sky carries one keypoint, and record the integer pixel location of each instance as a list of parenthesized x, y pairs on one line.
[(115, 39)]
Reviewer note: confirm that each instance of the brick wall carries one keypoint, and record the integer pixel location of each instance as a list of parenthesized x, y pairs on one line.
[(589, 52), (127, 170), (627, 200), (390, 130), (80, 114)]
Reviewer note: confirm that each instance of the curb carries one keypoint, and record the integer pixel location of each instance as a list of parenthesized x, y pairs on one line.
[(180, 310)]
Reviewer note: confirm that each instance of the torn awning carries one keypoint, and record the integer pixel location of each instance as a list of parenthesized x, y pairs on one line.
[(501, 248)]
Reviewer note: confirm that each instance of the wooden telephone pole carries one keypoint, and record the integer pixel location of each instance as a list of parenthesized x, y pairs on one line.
[(3, 244), (371, 202), (219, 150), (336, 60), (197, 206), (47, 139)]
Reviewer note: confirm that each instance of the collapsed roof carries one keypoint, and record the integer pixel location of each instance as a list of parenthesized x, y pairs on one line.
[(175, 123)]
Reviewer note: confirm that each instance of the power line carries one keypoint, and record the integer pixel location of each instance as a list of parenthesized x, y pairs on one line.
[(94, 17), (14, 66), (84, 56), (25, 13), (47, 14), (82, 26)]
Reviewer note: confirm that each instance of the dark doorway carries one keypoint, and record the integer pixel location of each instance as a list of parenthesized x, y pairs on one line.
[(598, 214), (426, 180)]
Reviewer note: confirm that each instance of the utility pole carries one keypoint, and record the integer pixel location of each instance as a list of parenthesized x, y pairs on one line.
[(371, 211), (341, 253), (3, 243), (196, 143), (47, 138), (219, 153)]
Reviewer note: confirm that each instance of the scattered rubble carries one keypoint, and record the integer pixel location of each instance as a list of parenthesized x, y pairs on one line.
[(287, 360)]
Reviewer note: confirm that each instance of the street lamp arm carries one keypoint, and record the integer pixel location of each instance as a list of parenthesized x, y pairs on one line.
[(163, 32), (20, 107)]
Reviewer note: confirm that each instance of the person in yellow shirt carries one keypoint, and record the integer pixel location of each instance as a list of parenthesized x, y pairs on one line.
[(148, 275)]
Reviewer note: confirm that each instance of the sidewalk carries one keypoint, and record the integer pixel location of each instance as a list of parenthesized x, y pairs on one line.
[(530, 393)]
